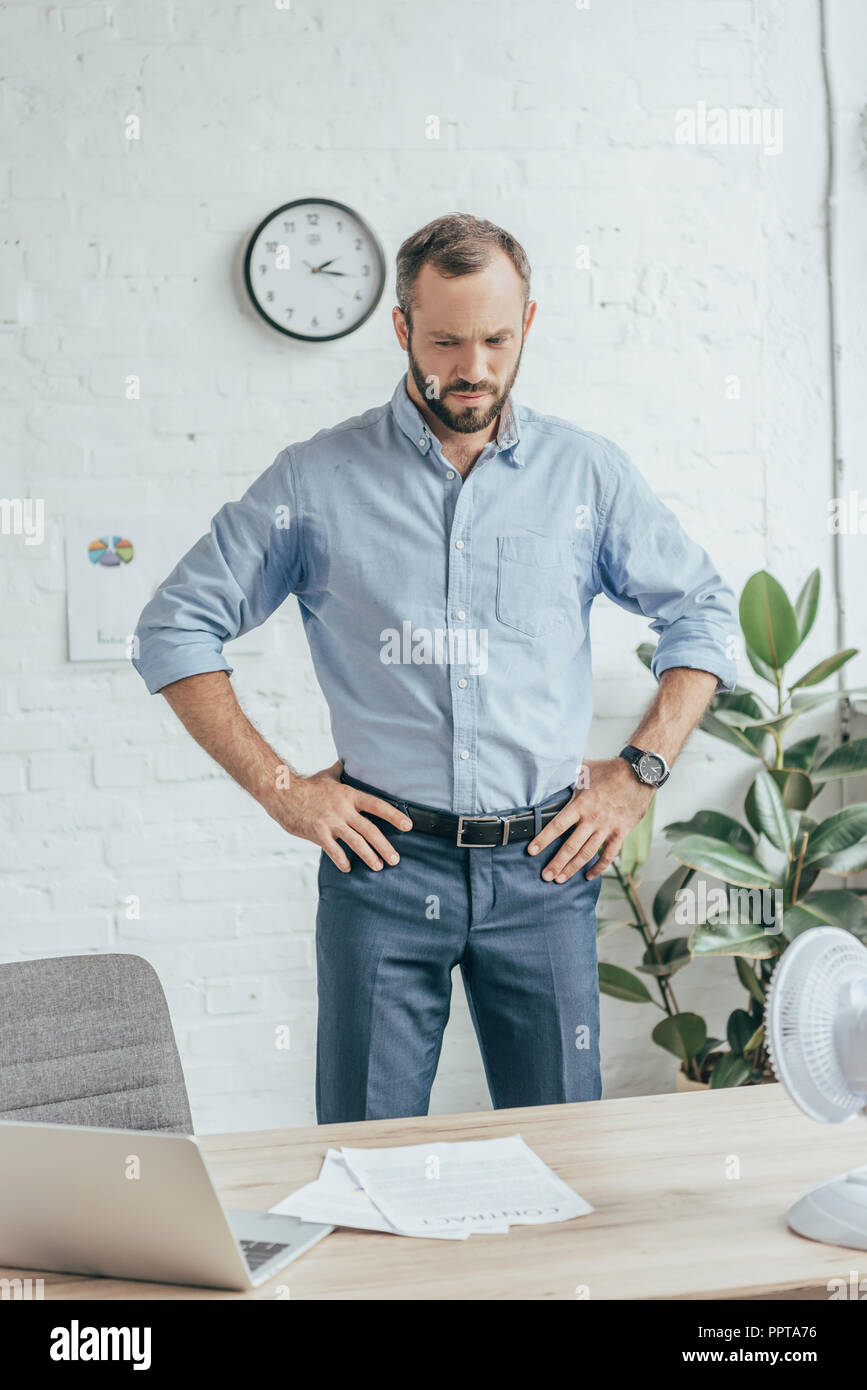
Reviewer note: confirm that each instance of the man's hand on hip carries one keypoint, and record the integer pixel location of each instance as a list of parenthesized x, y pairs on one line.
[(323, 809), (603, 811)]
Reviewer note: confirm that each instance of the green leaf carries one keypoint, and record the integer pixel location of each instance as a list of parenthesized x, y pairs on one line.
[(620, 984), (802, 753), (715, 824), (807, 604), (760, 667), (749, 979), (746, 723), (606, 926), (681, 1034), (721, 860), (806, 880), (839, 832), (707, 1046), (742, 719), (673, 956), (796, 788), (777, 820), (766, 812), (739, 1030), (845, 861), (645, 653), (668, 891), (755, 1041), (636, 846), (848, 760), (824, 669), (805, 699), (730, 1071), (732, 939), (712, 725), (768, 620), (774, 861), (613, 908), (828, 907), (742, 701), (611, 893)]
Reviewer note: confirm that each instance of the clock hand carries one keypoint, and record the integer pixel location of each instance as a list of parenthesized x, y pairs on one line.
[(331, 272)]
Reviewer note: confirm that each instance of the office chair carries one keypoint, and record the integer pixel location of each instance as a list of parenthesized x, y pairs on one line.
[(87, 1040)]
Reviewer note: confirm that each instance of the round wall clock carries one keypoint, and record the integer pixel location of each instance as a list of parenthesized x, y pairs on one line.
[(314, 269)]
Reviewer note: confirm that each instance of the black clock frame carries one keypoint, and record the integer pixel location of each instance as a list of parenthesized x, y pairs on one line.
[(374, 241)]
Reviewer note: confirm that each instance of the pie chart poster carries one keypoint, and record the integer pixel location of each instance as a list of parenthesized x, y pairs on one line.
[(114, 565)]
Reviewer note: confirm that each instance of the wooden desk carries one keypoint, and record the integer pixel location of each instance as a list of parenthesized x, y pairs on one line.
[(669, 1222)]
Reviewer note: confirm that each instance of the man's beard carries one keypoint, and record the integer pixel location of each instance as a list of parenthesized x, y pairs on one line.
[(464, 419)]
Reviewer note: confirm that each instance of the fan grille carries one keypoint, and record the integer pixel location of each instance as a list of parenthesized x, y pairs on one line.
[(802, 1007)]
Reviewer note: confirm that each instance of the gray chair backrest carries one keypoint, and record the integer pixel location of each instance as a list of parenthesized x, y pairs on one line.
[(87, 1040)]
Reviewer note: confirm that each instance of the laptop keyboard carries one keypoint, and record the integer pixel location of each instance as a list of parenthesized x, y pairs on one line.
[(258, 1252)]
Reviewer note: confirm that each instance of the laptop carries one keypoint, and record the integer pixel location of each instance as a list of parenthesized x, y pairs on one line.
[(132, 1204)]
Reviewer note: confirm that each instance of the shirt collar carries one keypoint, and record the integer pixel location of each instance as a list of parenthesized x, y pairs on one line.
[(410, 420)]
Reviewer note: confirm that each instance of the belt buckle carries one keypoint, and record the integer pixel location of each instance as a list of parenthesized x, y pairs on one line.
[(500, 819)]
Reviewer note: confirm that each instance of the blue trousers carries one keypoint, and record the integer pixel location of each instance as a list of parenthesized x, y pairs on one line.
[(387, 941)]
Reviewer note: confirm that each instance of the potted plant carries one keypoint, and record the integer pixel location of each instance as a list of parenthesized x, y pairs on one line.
[(767, 868)]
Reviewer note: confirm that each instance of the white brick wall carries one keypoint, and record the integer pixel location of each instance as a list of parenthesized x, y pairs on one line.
[(120, 256)]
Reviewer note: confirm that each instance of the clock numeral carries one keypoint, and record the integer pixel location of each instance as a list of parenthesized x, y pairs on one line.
[(269, 295), (262, 269), (314, 322), (289, 313), (313, 218), (358, 243), (271, 246), (312, 238), (365, 270), (358, 295), (340, 314), (288, 226)]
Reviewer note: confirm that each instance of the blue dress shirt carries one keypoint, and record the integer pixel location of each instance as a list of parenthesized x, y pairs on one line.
[(447, 620)]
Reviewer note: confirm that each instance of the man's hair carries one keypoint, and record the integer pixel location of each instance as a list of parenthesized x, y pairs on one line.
[(457, 244)]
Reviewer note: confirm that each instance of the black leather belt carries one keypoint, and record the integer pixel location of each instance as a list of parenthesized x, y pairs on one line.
[(471, 832)]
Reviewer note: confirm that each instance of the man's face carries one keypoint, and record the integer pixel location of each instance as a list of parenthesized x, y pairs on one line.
[(466, 341)]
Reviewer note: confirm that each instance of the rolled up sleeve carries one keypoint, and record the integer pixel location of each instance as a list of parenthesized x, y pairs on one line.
[(230, 581), (648, 565)]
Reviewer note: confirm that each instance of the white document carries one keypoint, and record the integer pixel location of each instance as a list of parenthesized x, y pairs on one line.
[(115, 561), (463, 1186), (336, 1192), (336, 1200)]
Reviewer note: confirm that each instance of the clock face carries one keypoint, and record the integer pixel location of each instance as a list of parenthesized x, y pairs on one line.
[(651, 768), (314, 269)]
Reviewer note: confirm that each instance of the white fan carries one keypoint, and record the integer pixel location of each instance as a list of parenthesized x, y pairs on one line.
[(816, 1035)]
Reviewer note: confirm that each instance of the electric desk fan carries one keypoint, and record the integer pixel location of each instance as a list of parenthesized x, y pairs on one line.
[(816, 1033)]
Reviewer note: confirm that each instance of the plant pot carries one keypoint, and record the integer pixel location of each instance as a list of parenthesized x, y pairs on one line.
[(682, 1082)]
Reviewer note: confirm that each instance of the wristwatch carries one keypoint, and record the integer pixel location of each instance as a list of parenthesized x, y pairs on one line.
[(649, 768)]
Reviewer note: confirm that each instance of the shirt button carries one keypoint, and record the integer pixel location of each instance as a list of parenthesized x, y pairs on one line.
[(462, 683), (459, 545), (465, 752), (460, 614), (421, 443), (450, 475)]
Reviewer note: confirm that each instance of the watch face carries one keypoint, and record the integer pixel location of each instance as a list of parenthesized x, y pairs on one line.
[(651, 768), (314, 269)]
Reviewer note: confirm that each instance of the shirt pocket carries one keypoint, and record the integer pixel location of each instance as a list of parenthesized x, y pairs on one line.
[(536, 586)]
